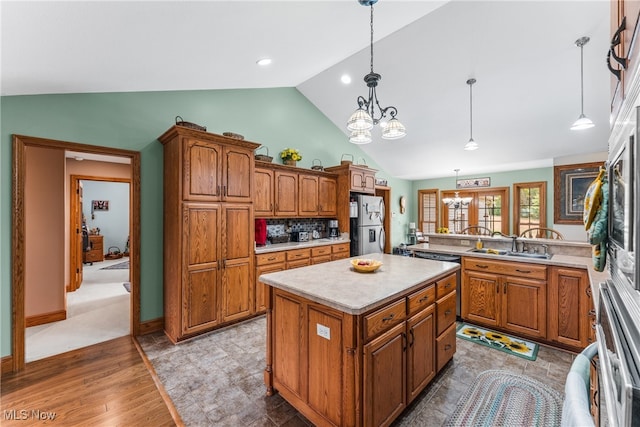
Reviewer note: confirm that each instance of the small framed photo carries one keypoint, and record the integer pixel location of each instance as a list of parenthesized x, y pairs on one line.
[(473, 183), (570, 185), (100, 205)]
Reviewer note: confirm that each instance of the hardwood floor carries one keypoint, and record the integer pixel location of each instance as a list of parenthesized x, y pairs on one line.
[(107, 384)]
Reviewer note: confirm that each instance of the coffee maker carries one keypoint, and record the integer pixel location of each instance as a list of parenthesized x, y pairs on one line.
[(334, 231)]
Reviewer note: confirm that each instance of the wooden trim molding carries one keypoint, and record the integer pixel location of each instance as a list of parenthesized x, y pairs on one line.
[(151, 326), (41, 319), (7, 365), (18, 226)]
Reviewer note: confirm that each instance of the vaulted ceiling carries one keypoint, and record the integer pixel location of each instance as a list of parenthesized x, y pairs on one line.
[(522, 54)]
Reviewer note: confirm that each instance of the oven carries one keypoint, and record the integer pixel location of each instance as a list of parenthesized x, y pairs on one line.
[(618, 340)]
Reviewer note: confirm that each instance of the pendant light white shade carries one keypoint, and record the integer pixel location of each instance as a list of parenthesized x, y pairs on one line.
[(393, 130), (583, 122), (471, 145), (360, 120), (360, 137)]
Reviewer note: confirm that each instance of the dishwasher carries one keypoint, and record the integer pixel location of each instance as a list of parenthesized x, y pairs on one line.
[(449, 258)]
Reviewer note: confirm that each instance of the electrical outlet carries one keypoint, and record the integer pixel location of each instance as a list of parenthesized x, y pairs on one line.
[(465, 243), (323, 331)]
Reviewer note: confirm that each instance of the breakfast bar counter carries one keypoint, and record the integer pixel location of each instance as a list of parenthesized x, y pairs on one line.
[(354, 349)]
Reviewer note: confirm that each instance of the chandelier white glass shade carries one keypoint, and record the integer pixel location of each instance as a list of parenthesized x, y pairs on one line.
[(457, 202), (366, 116), (583, 121), (471, 144)]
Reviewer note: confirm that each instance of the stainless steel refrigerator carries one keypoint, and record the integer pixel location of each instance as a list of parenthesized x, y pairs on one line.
[(366, 231)]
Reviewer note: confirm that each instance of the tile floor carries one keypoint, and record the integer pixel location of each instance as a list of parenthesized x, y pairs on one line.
[(217, 379)]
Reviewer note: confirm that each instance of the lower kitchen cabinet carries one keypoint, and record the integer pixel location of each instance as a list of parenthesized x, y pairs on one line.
[(570, 307), (505, 295), (445, 320), (340, 251), (320, 254), (341, 369), (385, 377)]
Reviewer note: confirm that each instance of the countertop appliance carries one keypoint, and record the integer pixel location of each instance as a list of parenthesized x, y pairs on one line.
[(366, 231), (299, 236), (449, 258), (334, 230)]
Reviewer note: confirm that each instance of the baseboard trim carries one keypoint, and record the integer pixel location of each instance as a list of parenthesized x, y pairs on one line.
[(151, 326), (42, 319), (7, 364)]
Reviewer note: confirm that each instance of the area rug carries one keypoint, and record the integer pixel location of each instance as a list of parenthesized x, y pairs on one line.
[(501, 398), (118, 266), (503, 342)]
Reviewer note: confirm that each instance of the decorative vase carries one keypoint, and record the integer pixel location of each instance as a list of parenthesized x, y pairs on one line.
[(289, 162)]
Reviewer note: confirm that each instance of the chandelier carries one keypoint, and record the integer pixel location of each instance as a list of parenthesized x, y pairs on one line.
[(365, 117), (457, 202)]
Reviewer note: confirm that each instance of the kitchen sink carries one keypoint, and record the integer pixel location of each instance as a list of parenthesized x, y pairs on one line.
[(509, 253)]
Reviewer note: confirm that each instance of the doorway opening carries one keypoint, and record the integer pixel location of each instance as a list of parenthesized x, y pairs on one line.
[(25, 265)]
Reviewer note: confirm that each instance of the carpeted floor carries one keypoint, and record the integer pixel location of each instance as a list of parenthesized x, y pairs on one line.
[(502, 398)]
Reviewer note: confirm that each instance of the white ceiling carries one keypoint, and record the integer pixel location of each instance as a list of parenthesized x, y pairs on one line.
[(521, 53)]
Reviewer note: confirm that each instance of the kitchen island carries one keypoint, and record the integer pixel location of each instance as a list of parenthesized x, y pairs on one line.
[(354, 349)]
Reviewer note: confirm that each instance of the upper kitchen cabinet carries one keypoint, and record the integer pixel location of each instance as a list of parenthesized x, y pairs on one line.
[(289, 192), (359, 178), (213, 167), (622, 57)]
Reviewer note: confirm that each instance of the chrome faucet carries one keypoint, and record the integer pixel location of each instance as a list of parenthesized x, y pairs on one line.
[(514, 243)]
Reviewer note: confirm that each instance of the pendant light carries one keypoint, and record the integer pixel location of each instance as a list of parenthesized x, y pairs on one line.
[(583, 121), (471, 145), (456, 201), (364, 118)]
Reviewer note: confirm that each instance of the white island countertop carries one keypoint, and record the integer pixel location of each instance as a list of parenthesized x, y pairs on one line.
[(335, 284)]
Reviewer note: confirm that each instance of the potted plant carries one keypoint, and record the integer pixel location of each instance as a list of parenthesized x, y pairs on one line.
[(290, 156)]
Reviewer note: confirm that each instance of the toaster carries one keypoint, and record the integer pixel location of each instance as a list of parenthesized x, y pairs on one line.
[(299, 236)]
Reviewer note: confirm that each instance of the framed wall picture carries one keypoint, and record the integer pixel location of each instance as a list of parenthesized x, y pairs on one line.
[(570, 184), (473, 182), (99, 205)]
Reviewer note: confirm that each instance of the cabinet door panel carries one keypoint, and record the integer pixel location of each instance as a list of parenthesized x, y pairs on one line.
[(308, 195), (236, 290), (480, 298), (202, 240), (238, 228), (286, 193), (200, 309), (263, 194), (421, 360), (325, 364), (327, 196), (385, 377), (523, 306), (202, 172), (238, 164), (260, 291), (569, 306), (287, 343)]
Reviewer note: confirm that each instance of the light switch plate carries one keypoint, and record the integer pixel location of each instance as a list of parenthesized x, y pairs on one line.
[(323, 331)]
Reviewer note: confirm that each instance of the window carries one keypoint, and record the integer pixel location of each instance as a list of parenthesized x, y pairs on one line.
[(488, 208), (529, 206), (428, 210)]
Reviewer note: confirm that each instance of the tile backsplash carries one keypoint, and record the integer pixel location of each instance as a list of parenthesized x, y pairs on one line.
[(277, 227)]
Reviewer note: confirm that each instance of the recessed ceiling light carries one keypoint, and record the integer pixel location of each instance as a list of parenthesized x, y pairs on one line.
[(346, 79), (263, 62)]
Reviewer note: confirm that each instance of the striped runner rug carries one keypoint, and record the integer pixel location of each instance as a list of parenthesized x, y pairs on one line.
[(501, 398)]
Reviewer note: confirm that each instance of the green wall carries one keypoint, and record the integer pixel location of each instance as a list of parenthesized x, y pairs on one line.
[(498, 179), (277, 118)]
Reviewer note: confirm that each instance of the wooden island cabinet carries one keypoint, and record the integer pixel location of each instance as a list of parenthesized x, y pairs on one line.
[(352, 349)]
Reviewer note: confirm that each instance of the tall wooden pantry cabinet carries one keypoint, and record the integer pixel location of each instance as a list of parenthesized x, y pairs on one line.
[(208, 231)]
